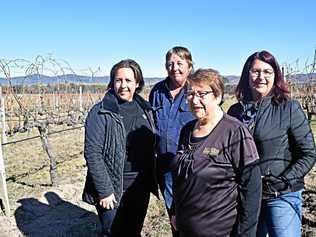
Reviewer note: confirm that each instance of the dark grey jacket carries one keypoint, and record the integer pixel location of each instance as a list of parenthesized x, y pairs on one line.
[(285, 144), (105, 150)]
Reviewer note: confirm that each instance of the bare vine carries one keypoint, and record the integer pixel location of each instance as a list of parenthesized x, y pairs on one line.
[(40, 116)]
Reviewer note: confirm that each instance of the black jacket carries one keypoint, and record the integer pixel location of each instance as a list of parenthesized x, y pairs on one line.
[(105, 148), (285, 144)]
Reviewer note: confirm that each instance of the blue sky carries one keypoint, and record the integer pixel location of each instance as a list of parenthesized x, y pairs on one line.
[(95, 33)]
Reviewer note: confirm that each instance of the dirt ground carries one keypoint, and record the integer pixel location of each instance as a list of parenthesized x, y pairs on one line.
[(41, 210), (38, 209)]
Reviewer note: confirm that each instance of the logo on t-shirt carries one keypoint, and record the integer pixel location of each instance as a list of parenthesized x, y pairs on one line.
[(211, 151)]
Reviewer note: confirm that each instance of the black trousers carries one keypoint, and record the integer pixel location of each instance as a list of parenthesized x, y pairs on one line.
[(130, 215)]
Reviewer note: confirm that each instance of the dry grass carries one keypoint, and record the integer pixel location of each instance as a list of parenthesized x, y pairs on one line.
[(27, 165)]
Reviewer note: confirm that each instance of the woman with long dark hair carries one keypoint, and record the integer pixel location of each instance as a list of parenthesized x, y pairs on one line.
[(284, 141)]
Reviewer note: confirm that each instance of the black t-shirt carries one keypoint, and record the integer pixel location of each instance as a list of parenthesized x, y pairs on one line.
[(206, 178), (140, 137)]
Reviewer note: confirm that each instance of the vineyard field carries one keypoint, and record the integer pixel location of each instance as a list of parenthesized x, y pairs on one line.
[(38, 208)]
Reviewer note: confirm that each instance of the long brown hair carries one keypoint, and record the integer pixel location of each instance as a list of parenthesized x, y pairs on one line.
[(280, 90)]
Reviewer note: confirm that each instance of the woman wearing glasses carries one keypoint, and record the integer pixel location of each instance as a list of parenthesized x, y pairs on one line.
[(284, 141), (217, 185)]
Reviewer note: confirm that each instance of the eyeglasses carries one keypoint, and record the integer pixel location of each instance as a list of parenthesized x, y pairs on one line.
[(199, 94), (256, 72)]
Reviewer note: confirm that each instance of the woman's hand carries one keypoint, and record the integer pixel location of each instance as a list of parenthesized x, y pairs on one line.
[(108, 202)]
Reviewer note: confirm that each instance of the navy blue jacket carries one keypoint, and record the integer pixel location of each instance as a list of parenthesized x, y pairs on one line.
[(170, 116), (105, 149)]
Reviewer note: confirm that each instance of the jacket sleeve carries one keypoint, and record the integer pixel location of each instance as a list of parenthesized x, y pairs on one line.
[(174, 165), (250, 200), (302, 144), (250, 185), (95, 129), (235, 110)]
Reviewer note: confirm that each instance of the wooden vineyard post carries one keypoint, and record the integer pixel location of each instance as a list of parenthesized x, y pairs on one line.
[(3, 185), (2, 115), (80, 98)]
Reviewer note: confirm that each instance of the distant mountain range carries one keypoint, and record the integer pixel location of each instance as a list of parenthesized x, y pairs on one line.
[(301, 78), (79, 79), (297, 78), (231, 79), (68, 78), (43, 79)]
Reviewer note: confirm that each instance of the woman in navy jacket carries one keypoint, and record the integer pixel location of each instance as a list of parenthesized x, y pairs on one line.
[(168, 98), (119, 150), (284, 142)]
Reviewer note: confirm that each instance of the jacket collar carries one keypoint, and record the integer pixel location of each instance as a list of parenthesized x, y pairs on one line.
[(184, 102), (183, 94), (263, 102), (145, 105), (109, 102)]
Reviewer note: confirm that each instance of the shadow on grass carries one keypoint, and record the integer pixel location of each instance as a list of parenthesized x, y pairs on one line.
[(55, 218)]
